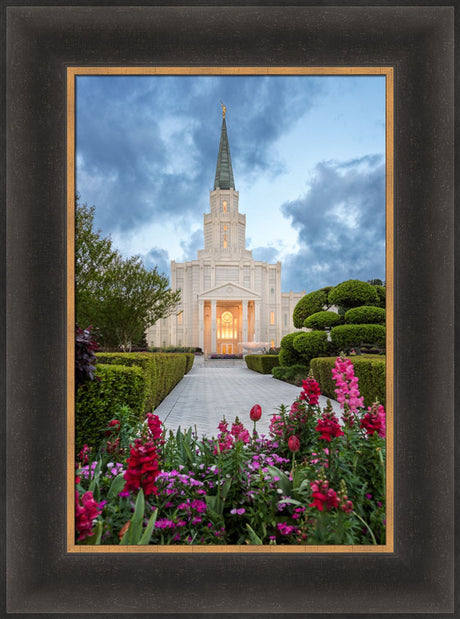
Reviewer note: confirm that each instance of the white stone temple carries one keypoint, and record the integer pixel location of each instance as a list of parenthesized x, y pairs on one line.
[(230, 303)]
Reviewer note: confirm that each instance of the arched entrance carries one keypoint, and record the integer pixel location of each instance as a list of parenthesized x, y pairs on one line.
[(228, 325)]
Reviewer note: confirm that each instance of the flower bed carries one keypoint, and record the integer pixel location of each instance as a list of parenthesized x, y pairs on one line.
[(222, 356), (314, 480)]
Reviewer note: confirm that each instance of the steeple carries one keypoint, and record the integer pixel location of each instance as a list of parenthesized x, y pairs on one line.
[(224, 171)]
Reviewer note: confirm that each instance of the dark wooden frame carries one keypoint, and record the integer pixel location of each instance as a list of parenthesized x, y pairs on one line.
[(41, 42)]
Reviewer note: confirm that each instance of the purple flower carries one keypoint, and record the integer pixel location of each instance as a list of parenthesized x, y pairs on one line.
[(238, 512)]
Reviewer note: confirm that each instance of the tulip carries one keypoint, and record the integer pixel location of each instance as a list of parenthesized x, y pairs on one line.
[(294, 443), (256, 413), (294, 446)]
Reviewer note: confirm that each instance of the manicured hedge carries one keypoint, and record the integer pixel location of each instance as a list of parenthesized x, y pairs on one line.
[(96, 401), (370, 371), (189, 361), (262, 363), (291, 374), (346, 337), (162, 371)]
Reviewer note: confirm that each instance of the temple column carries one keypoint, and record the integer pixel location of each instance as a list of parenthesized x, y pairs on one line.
[(245, 320), (201, 324), (256, 321), (213, 326)]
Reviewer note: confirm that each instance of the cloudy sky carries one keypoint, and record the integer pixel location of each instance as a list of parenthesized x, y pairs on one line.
[(308, 157)]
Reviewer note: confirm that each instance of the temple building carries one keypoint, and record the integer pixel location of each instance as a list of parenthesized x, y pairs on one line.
[(230, 303)]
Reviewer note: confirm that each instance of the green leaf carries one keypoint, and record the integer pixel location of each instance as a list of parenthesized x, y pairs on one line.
[(254, 538), (145, 539), (135, 528), (283, 482), (116, 486), (225, 488), (95, 538)]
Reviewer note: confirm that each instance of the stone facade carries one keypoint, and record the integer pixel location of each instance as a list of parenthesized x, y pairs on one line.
[(230, 303)]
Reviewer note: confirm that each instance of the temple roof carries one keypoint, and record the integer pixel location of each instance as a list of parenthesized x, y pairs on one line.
[(224, 171)]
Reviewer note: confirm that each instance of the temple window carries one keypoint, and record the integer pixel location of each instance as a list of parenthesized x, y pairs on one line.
[(224, 206), (179, 319), (272, 318), (225, 242)]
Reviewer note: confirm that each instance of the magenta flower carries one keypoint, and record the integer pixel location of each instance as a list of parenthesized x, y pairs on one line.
[(85, 514), (374, 420), (310, 391), (329, 427)]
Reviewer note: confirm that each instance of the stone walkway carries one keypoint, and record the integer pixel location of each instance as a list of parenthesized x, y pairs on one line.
[(217, 388)]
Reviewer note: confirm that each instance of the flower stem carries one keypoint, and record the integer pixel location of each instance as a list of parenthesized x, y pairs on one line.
[(367, 527)]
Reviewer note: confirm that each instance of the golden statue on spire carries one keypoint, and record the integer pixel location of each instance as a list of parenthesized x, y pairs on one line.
[(224, 109)]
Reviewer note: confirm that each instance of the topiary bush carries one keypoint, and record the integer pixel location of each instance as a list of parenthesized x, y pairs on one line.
[(369, 370), (311, 303), (382, 293), (322, 320), (366, 315), (346, 337), (353, 293), (293, 374), (262, 363), (189, 361), (96, 401), (162, 371), (310, 345), (288, 354)]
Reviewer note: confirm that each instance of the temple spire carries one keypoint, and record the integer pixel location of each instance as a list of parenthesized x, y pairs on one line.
[(224, 171)]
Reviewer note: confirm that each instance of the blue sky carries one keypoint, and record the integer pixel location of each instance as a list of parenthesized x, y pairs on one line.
[(308, 155)]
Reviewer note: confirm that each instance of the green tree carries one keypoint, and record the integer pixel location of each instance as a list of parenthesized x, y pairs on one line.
[(120, 297)]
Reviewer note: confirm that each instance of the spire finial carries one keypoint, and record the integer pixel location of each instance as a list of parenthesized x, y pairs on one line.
[(224, 109)]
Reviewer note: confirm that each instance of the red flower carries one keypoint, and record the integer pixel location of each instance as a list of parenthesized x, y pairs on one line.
[(142, 468), (83, 456), (113, 426), (85, 514), (324, 498), (374, 420), (328, 425), (294, 443), (256, 413), (310, 391), (154, 424)]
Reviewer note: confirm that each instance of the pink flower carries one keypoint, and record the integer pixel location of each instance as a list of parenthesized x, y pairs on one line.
[(294, 443), (276, 427), (239, 432), (346, 384), (255, 413), (311, 391), (85, 514), (329, 427)]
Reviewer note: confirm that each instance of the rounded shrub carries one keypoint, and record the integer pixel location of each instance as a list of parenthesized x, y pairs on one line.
[(310, 345), (288, 354), (322, 320), (310, 304), (366, 315), (353, 293), (382, 292), (346, 337)]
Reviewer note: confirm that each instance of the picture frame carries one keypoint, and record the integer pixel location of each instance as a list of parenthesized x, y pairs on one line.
[(41, 576)]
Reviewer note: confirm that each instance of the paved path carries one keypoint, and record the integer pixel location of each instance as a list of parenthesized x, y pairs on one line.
[(214, 389)]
